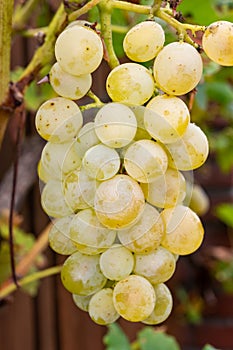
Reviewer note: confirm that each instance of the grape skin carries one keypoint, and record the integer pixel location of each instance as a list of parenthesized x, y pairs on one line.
[(217, 42), (130, 83), (184, 230), (191, 151), (58, 120), (145, 160), (143, 41), (67, 85), (59, 236), (166, 118), (81, 274), (163, 306), (79, 50), (119, 202), (116, 262), (157, 266), (146, 234), (115, 125), (101, 308), (166, 191), (177, 68), (134, 298)]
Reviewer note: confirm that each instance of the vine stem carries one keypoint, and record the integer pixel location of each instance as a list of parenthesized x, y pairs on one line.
[(105, 11), (74, 15), (22, 13), (6, 11), (10, 288)]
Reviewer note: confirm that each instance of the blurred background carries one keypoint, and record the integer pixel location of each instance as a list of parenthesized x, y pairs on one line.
[(43, 315)]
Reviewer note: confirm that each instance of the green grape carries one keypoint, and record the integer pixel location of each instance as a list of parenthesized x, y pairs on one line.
[(59, 236), (146, 234), (43, 175), (143, 41), (79, 50), (134, 298), (59, 159), (130, 83), (101, 162), (119, 202), (198, 200), (166, 118), (115, 125), (141, 132), (177, 68), (191, 151), (53, 201), (88, 235), (81, 274), (87, 138), (145, 160), (116, 262), (79, 190), (58, 120), (167, 190), (157, 266), (82, 301), (184, 230), (163, 306), (101, 308), (67, 85), (217, 42)]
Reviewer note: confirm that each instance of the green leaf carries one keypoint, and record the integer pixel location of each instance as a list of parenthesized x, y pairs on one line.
[(151, 339), (203, 12), (219, 91), (116, 339), (224, 212)]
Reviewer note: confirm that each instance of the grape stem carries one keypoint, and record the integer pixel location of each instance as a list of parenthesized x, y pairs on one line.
[(96, 104), (105, 12), (76, 14), (10, 288)]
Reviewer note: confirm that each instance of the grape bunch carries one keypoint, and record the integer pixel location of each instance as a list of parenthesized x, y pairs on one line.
[(116, 187)]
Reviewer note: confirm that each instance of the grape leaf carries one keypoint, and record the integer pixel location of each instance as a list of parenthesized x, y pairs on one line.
[(151, 339), (209, 347), (116, 339), (224, 212), (202, 13)]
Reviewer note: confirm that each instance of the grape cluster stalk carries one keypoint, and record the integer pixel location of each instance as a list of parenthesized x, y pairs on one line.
[(116, 187)]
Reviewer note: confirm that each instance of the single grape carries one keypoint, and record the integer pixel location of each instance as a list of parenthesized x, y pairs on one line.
[(53, 201), (67, 85), (115, 125), (119, 201), (79, 50), (87, 138), (134, 298), (166, 118), (163, 306), (143, 41), (157, 266), (79, 190), (198, 200), (101, 308), (58, 120), (191, 151), (81, 274), (82, 301), (130, 83), (101, 162), (43, 175), (177, 68), (88, 235), (217, 42), (145, 160), (184, 232), (166, 191), (117, 262), (146, 234), (59, 236), (59, 159)]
